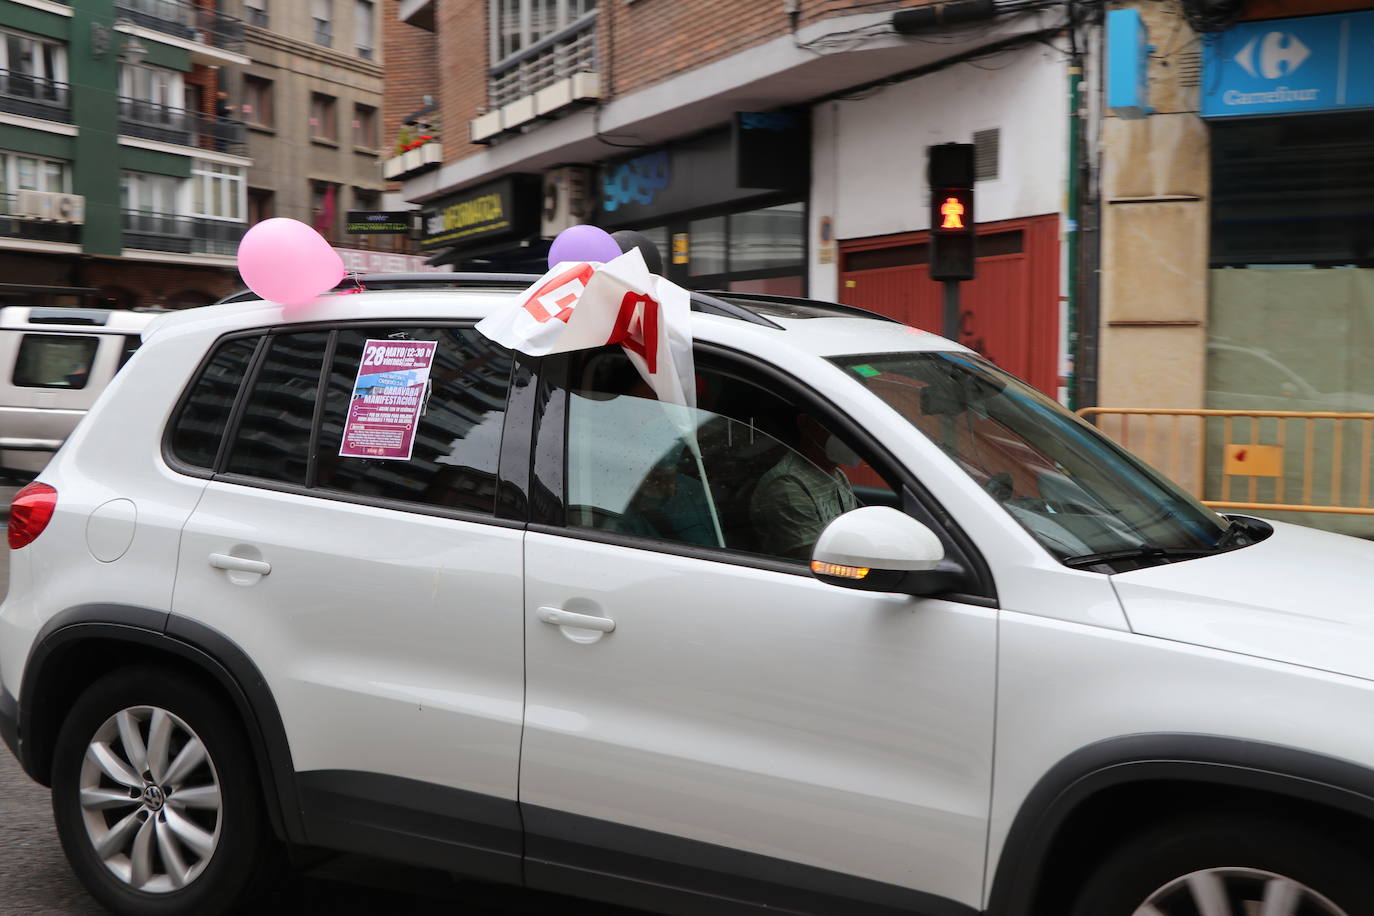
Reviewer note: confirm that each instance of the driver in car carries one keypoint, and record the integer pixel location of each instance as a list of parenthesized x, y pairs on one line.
[(797, 497)]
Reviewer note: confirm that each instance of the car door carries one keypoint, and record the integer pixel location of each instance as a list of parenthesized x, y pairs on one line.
[(702, 715), (379, 598)]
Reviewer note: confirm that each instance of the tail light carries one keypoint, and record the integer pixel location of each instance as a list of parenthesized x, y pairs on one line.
[(30, 511)]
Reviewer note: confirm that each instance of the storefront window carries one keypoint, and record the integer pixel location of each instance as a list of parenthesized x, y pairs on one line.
[(707, 241), (1292, 281), (771, 237)]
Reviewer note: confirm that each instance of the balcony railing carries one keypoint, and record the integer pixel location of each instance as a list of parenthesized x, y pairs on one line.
[(34, 97), (180, 234), (185, 20), (155, 121), (324, 33), (42, 230), (557, 57)]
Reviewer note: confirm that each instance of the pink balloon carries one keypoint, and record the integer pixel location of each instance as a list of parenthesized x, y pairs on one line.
[(284, 260)]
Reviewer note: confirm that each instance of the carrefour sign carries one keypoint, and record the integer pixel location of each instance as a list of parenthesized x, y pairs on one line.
[(1290, 66)]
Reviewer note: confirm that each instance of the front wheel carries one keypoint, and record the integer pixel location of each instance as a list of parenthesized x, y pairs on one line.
[(1229, 866), (155, 798)]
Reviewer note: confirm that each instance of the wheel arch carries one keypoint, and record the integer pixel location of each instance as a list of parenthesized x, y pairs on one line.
[(86, 642), (1161, 774)]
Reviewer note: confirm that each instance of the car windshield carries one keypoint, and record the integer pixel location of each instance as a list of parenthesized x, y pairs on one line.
[(1080, 494)]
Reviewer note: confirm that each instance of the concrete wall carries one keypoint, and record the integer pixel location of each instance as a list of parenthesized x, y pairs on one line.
[(869, 154)]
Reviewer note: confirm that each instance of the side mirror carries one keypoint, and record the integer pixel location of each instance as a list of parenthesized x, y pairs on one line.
[(880, 549)]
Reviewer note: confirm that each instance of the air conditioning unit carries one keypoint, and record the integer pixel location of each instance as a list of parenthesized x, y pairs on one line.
[(50, 205), (568, 199)]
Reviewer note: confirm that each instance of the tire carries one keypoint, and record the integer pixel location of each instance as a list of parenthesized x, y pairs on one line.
[(193, 839), (1176, 866)]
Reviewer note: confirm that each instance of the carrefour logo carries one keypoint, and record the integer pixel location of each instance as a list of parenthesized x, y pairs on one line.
[(1279, 55)]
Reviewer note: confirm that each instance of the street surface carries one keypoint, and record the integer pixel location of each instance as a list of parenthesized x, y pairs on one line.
[(35, 879)]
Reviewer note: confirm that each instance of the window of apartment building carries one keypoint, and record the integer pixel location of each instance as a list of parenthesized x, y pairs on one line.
[(154, 85), (22, 172), (260, 205), (255, 12), (366, 200), (365, 126), (145, 192), (217, 190), (257, 101), (363, 27), (31, 65), (537, 42), (324, 121), (324, 208), (322, 11)]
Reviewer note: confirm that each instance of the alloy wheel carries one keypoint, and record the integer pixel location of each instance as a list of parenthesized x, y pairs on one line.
[(150, 799), (1237, 892)]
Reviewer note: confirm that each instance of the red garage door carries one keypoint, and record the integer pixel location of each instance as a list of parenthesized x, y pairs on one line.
[(1010, 313)]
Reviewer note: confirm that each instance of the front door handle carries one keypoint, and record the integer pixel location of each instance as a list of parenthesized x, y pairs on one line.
[(239, 564), (561, 618)]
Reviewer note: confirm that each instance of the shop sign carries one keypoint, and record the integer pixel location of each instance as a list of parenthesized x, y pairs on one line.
[(500, 209), (357, 261), (378, 222), (1290, 66), (636, 181)]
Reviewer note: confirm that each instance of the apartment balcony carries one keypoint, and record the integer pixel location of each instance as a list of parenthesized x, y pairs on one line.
[(545, 78), (211, 36), (412, 162), (34, 97), (38, 230), (181, 127), (175, 234)]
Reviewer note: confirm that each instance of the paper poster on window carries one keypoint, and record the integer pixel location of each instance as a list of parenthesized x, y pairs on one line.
[(388, 397)]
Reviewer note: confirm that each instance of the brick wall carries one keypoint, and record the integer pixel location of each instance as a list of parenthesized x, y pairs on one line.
[(412, 72), (640, 44)]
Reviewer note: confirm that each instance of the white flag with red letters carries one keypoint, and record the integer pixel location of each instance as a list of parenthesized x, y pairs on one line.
[(581, 305)]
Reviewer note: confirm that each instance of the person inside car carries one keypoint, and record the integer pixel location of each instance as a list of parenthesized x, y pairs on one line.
[(797, 497)]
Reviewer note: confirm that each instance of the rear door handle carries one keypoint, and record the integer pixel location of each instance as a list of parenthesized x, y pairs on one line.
[(239, 564), (561, 618)]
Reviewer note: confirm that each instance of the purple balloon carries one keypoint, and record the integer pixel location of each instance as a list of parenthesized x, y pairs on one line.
[(583, 243)]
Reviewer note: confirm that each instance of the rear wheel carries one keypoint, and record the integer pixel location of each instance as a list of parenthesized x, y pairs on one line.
[(155, 798), (1225, 866)]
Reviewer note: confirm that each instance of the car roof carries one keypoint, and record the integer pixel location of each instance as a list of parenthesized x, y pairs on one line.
[(64, 318), (819, 328)]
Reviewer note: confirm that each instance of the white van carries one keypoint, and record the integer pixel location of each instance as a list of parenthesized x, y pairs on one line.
[(54, 362)]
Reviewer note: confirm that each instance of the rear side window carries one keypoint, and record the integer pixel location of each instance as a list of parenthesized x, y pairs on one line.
[(273, 438), (54, 361), (458, 439), (199, 427)]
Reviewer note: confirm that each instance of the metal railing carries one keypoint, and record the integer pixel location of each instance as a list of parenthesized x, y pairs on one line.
[(181, 126), (185, 20), (559, 56), (255, 16), (1271, 460), (34, 97), (180, 234), (23, 227), (324, 33)]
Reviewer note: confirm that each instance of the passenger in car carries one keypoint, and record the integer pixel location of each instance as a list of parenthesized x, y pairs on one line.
[(797, 497)]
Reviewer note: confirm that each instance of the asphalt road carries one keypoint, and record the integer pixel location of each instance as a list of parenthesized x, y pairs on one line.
[(36, 881)]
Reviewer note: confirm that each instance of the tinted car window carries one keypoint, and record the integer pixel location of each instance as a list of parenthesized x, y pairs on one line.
[(453, 460), (744, 470), (54, 361), (273, 439), (199, 426)]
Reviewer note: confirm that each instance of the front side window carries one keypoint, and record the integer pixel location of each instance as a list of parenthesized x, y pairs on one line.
[(54, 361), (744, 471), (1075, 491)]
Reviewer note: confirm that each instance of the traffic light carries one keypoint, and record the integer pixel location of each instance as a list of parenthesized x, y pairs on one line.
[(950, 172)]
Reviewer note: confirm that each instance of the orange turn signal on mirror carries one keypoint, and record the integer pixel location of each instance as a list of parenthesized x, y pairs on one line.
[(834, 569)]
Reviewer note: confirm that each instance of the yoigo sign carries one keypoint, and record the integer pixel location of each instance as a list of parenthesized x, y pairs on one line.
[(1290, 66)]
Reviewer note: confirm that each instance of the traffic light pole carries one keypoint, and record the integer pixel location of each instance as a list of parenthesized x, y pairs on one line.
[(952, 310)]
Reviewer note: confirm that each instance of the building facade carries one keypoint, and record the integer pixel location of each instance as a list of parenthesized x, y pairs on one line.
[(121, 170), (766, 146), (1237, 248)]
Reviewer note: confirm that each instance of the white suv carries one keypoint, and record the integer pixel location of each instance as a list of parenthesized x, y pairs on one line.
[(908, 637)]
